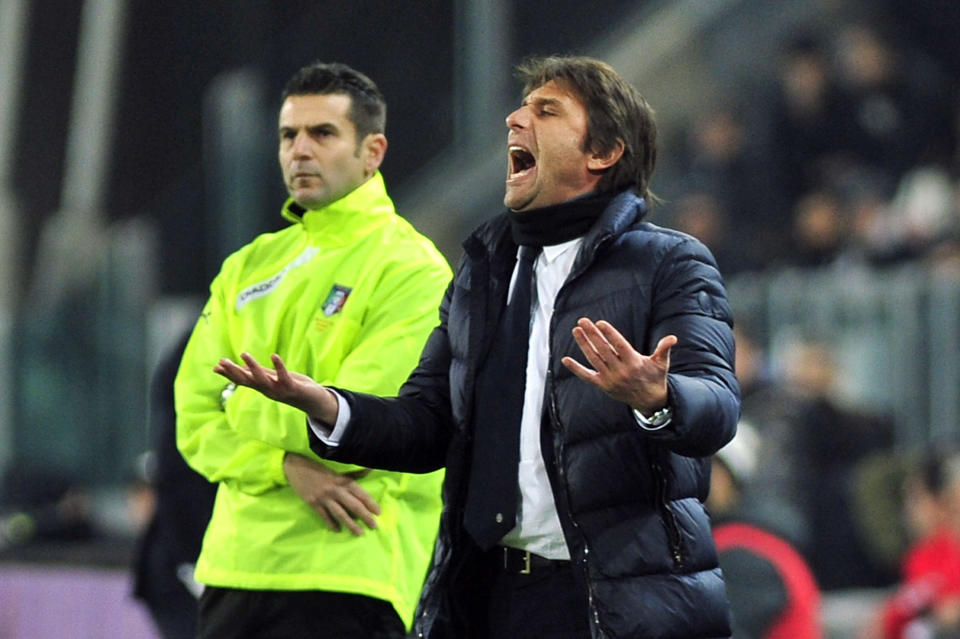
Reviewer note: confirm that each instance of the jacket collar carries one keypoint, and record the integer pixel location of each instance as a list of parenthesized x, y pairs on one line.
[(351, 217), (626, 208)]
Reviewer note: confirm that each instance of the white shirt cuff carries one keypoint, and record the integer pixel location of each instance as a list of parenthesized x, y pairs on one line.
[(332, 436)]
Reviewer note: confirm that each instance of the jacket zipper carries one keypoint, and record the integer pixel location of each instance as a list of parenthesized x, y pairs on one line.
[(555, 417), (670, 524), (669, 517)]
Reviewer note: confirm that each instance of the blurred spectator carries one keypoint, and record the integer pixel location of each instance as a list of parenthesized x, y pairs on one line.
[(833, 439), (720, 160), (857, 131), (811, 447), (701, 214), (170, 545), (927, 603), (820, 229), (921, 215), (850, 221), (776, 485), (944, 255), (772, 592), (898, 104), (869, 242), (805, 116)]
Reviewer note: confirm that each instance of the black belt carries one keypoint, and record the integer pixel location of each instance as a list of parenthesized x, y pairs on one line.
[(521, 562)]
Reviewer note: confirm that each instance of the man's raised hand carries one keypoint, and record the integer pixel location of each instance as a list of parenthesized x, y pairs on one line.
[(282, 385), (618, 369)]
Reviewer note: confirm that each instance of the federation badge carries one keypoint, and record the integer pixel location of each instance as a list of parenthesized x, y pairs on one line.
[(336, 299)]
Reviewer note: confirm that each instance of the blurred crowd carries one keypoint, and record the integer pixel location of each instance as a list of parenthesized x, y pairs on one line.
[(813, 496), (845, 158), (847, 155)]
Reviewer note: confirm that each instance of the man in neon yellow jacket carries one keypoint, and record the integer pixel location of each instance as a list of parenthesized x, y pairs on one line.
[(349, 291)]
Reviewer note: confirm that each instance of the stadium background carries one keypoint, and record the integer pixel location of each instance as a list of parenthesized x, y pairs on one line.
[(137, 149)]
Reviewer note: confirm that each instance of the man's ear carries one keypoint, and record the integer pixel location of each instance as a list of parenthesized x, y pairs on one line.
[(373, 149), (602, 161)]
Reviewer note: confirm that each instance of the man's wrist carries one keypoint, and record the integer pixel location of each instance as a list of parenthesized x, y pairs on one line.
[(659, 419), (330, 433), (333, 407)]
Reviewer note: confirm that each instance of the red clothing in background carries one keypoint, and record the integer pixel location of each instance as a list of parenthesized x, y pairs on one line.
[(931, 575)]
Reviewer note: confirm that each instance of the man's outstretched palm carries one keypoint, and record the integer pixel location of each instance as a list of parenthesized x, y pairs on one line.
[(282, 385)]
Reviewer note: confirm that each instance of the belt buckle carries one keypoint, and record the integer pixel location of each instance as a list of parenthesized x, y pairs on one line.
[(526, 560)]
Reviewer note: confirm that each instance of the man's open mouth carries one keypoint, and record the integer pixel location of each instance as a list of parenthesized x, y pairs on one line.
[(520, 160)]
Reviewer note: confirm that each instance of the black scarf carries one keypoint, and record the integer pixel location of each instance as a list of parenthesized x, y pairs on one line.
[(558, 223)]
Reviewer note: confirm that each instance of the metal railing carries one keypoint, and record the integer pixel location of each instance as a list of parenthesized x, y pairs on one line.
[(895, 336)]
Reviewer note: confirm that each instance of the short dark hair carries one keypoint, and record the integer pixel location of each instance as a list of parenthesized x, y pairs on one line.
[(368, 109), (615, 111)]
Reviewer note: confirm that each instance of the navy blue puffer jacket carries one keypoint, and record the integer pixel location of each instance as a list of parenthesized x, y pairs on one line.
[(630, 500)]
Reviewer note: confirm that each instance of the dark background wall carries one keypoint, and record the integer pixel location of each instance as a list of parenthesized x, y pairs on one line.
[(174, 50)]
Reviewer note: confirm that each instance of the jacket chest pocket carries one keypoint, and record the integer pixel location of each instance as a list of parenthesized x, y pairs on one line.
[(330, 340)]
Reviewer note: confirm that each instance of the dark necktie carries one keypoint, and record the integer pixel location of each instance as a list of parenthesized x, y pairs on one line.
[(492, 494)]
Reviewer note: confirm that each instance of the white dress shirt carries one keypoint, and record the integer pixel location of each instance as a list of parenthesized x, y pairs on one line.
[(538, 524)]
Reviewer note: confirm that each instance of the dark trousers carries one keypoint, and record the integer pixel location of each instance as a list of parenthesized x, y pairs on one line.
[(226, 613), (172, 607), (548, 603)]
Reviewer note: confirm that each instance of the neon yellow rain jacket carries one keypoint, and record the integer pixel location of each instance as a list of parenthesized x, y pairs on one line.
[(347, 294)]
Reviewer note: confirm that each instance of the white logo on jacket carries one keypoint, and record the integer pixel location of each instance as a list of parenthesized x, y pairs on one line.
[(268, 286)]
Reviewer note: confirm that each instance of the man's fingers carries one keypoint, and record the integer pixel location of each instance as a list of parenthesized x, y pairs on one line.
[(579, 369), (283, 375), (588, 348), (662, 353), (329, 521), (619, 345), (360, 505), (253, 367), (259, 372), (603, 346), (231, 371), (338, 512), (369, 505), (617, 342), (265, 378), (367, 517)]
